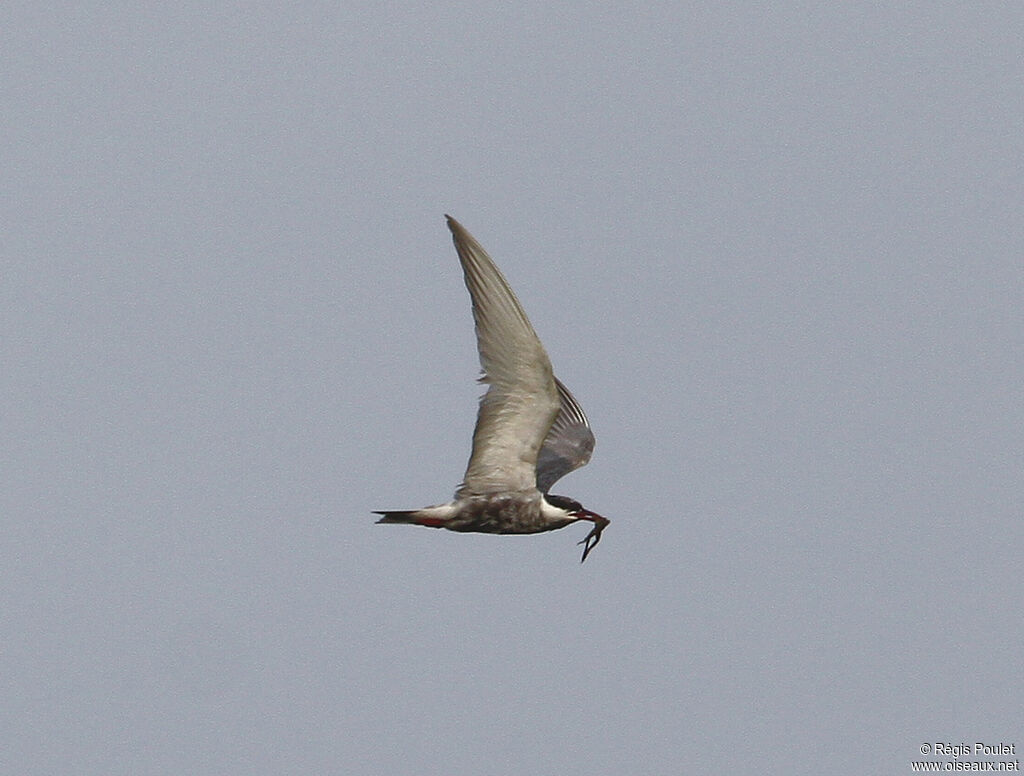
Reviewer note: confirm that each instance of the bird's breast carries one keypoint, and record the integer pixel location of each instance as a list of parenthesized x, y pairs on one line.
[(503, 514)]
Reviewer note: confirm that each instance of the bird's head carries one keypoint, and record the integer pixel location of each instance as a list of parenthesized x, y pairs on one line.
[(575, 510)]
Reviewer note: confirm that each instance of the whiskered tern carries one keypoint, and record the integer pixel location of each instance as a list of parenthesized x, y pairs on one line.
[(530, 431)]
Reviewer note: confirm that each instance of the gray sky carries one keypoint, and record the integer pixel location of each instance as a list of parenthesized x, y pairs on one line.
[(774, 249)]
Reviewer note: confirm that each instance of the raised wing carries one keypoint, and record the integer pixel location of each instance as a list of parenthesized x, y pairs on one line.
[(522, 400), (569, 443)]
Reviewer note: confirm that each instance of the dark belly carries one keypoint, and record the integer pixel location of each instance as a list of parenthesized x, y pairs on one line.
[(503, 516)]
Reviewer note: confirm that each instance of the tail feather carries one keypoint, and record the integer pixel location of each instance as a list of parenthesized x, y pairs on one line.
[(411, 517), (405, 516)]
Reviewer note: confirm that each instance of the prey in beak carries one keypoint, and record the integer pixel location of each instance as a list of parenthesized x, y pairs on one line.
[(600, 523)]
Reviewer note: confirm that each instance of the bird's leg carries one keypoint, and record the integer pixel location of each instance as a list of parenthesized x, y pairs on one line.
[(600, 523)]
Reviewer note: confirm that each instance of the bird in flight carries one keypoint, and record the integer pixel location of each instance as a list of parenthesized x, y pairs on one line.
[(530, 431)]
